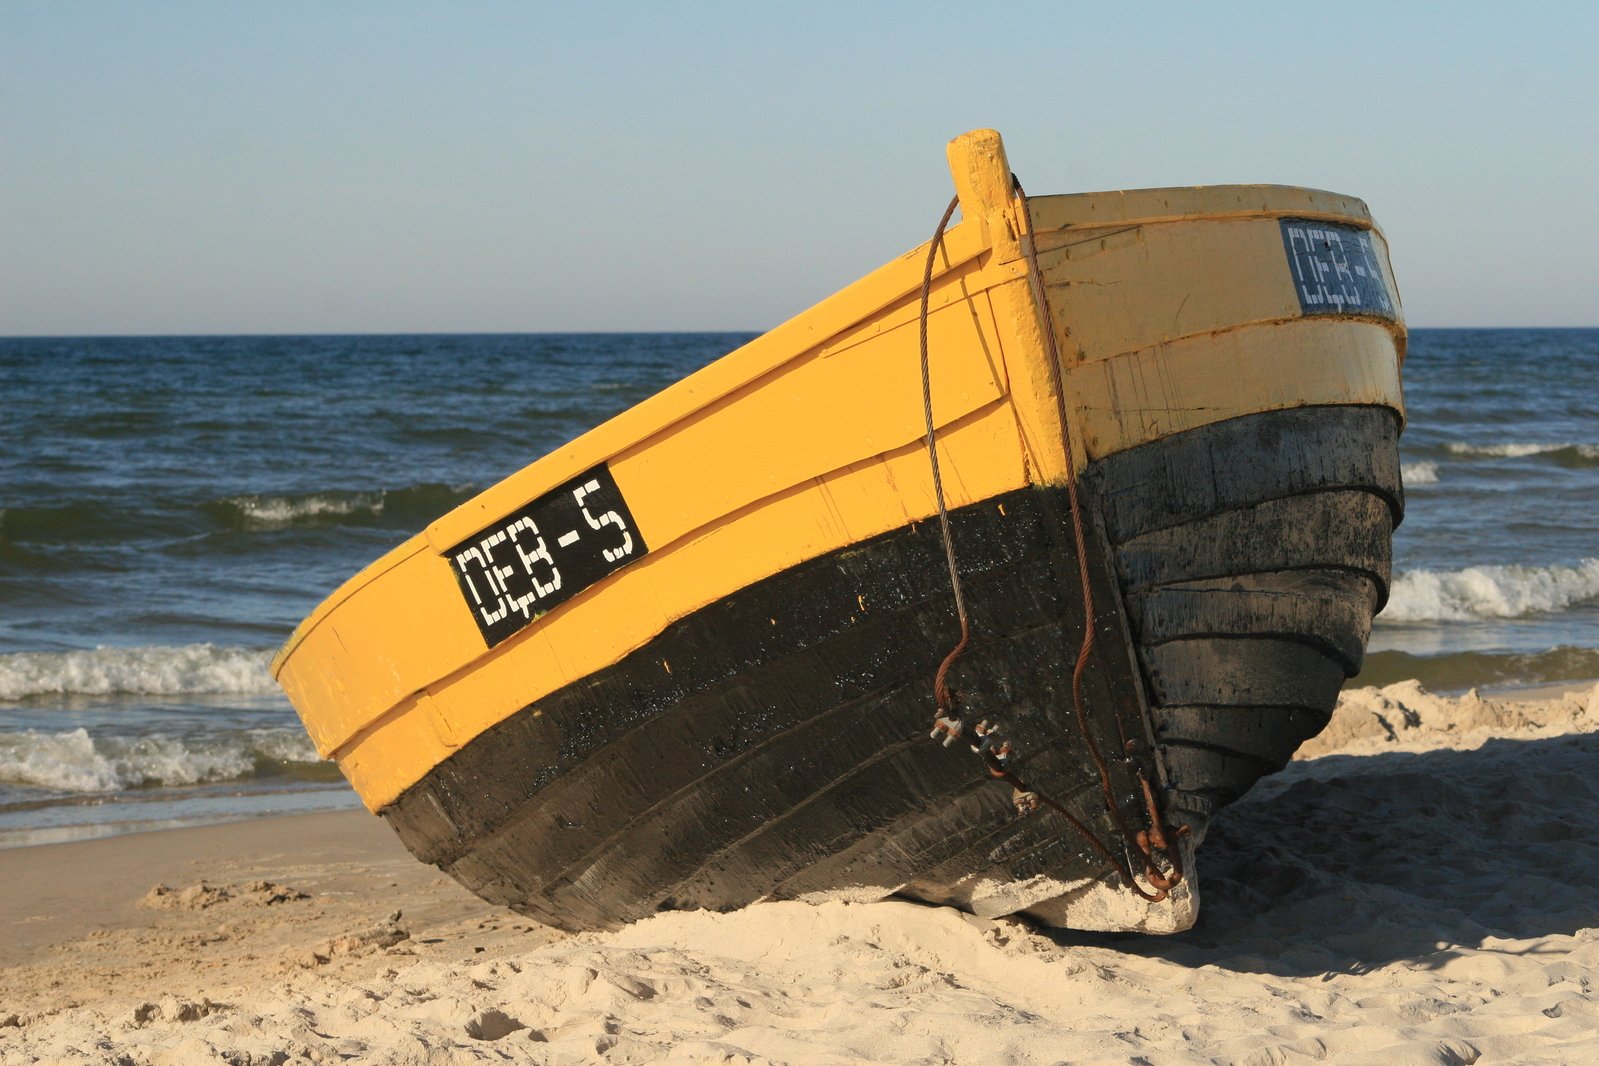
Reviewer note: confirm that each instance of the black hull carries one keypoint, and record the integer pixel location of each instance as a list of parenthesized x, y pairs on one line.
[(1252, 555), (775, 743)]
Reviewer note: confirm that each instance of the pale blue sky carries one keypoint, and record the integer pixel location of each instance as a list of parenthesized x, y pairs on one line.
[(307, 167)]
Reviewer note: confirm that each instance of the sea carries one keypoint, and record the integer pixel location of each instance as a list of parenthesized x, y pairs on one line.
[(170, 508)]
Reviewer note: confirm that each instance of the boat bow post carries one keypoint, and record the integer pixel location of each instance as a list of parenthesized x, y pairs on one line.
[(988, 190)]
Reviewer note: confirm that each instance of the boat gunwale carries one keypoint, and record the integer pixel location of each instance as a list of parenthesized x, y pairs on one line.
[(616, 435), (966, 241), (1054, 211)]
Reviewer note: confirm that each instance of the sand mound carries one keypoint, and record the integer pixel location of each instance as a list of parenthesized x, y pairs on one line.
[(1406, 717), (203, 896)]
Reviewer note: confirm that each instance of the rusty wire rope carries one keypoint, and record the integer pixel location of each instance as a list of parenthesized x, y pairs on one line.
[(940, 681), (994, 751)]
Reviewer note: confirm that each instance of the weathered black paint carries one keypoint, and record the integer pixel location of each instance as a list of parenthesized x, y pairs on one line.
[(775, 742), (1252, 554)]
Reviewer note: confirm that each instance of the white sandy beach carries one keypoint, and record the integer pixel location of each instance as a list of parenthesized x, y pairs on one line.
[(1418, 889)]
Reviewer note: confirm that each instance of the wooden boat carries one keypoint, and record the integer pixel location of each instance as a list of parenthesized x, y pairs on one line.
[(687, 660)]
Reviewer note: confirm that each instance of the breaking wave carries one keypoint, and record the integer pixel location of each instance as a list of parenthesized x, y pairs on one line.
[(283, 510), (154, 671), (1490, 592), (411, 505), (77, 522), (76, 762), (1419, 473), (1574, 455)]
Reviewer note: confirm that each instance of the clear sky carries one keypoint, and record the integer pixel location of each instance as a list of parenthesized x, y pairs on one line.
[(345, 166)]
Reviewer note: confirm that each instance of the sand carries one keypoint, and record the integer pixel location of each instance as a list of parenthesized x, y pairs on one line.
[(1417, 889)]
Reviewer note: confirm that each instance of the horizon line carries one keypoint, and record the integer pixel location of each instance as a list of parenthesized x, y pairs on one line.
[(530, 333)]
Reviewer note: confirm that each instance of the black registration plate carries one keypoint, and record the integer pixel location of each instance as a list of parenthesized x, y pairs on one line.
[(531, 561), (1335, 269)]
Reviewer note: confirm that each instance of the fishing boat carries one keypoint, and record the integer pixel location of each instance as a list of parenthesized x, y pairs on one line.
[(986, 581)]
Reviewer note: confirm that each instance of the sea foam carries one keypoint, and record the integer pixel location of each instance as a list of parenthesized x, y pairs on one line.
[(1419, 473), (1567, 454), (1490, 592), (419, 503), (150, 670), (74, 761), (286, 510)]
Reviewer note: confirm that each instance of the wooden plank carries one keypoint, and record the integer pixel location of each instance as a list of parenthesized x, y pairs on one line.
[(1243, 461), (1147, 206), (1241, 672), (1267, 734), (1349, 528), (1331, 609), (1198, 380), (1162, 283)]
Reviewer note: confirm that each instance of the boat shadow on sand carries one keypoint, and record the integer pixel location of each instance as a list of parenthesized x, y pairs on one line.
[(1344, 864)]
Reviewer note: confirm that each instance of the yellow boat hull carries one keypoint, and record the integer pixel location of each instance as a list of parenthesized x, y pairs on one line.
[(724, 694)]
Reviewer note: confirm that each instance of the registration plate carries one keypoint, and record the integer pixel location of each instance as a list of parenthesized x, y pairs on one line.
[(537, 558), (1335, 269)]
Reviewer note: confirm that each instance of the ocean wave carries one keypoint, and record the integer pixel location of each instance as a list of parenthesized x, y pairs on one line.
[(410, 505), (284, 510), (151, 670), (76, 762), (57, 523), (1490, 592), (66, 524), (1468, 669), (1574, 455), (1419, 473)]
